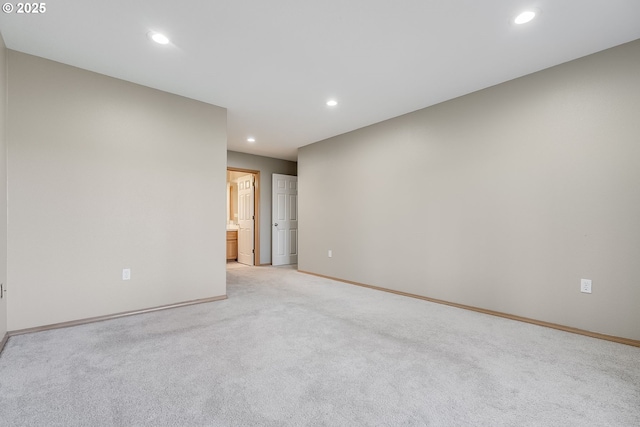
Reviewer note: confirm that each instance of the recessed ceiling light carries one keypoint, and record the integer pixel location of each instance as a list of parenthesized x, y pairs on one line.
[(525, 17), (251, 139), (158, 38), (332, 103)]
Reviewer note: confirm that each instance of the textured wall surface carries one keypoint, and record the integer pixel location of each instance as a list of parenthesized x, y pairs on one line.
[(106, 175), (502, 199), (3, 184)]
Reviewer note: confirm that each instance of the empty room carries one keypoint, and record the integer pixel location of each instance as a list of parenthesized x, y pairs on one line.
[(222, 213)]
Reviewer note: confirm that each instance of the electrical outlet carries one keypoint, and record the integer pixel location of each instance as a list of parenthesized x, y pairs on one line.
[(585, 286), (330, 253), (126, 274)]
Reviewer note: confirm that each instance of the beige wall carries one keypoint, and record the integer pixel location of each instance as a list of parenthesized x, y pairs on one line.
[(105, 175), (267, 167), (3, 184), (502, 199)]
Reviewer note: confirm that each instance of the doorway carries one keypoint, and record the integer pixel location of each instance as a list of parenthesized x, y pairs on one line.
[(243, 214), (284, 237)]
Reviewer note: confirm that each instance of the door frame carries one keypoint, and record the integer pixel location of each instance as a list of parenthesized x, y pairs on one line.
[(256, 212)]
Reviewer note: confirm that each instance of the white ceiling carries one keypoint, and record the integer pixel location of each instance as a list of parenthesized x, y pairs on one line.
[(274, 63)]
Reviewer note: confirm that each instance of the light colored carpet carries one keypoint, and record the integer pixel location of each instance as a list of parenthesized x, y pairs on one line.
[(289, 349), (235, 264)]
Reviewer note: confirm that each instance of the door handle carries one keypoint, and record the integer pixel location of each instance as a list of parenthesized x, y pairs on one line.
[(276, 224)]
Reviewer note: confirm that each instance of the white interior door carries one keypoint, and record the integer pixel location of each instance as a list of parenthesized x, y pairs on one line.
[(246, 215), (284, 237)]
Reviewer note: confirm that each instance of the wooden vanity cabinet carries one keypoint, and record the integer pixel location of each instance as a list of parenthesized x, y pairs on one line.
[(232, 244)]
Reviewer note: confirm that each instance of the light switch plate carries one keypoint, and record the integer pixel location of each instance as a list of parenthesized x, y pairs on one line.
[(585, 286), (126, 274)]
